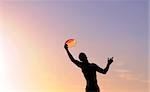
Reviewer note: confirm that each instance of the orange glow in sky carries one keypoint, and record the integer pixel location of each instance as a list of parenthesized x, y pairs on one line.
[(32, 36)]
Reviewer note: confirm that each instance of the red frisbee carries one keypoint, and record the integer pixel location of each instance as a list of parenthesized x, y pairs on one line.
[(71, 43)]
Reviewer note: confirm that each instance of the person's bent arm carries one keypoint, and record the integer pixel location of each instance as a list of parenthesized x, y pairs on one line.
[(71, 57), (105, 70)]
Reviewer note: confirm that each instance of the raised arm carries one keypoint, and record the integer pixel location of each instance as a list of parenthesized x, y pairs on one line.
[(71, 57), (104, 71)]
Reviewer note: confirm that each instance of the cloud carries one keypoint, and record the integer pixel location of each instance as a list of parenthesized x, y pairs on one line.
[(129, 75), (121, 71), (126, 74)]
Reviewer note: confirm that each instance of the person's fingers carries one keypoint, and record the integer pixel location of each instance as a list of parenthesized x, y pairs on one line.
[(108, 59), (66, 45)]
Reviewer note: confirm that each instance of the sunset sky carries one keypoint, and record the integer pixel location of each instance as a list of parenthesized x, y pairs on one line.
[(33, 33)]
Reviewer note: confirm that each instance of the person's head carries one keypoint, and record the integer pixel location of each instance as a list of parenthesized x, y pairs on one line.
[(83, 57)]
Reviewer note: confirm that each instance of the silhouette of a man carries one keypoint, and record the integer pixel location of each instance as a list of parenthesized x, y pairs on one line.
[(89, 70)]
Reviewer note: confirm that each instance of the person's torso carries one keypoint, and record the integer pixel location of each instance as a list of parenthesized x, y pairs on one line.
[(89, 71)]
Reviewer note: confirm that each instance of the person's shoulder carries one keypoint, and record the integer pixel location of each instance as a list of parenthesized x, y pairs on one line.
[(79, 63), (93, 64)]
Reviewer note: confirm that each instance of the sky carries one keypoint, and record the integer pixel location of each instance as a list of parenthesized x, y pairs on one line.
[(33, 33)]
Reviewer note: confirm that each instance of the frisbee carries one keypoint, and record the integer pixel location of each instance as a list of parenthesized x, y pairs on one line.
[(71, 43)]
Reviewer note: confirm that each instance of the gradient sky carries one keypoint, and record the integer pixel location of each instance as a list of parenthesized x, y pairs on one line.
[(32, 36)]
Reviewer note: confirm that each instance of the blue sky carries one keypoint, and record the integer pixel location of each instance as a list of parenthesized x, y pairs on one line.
[(102, 29)]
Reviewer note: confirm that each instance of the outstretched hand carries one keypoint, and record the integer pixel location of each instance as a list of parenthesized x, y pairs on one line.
[(66, 46), (110, 60)]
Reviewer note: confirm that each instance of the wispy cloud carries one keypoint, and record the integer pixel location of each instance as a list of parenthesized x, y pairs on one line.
[(121, 71), (129, 75)]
